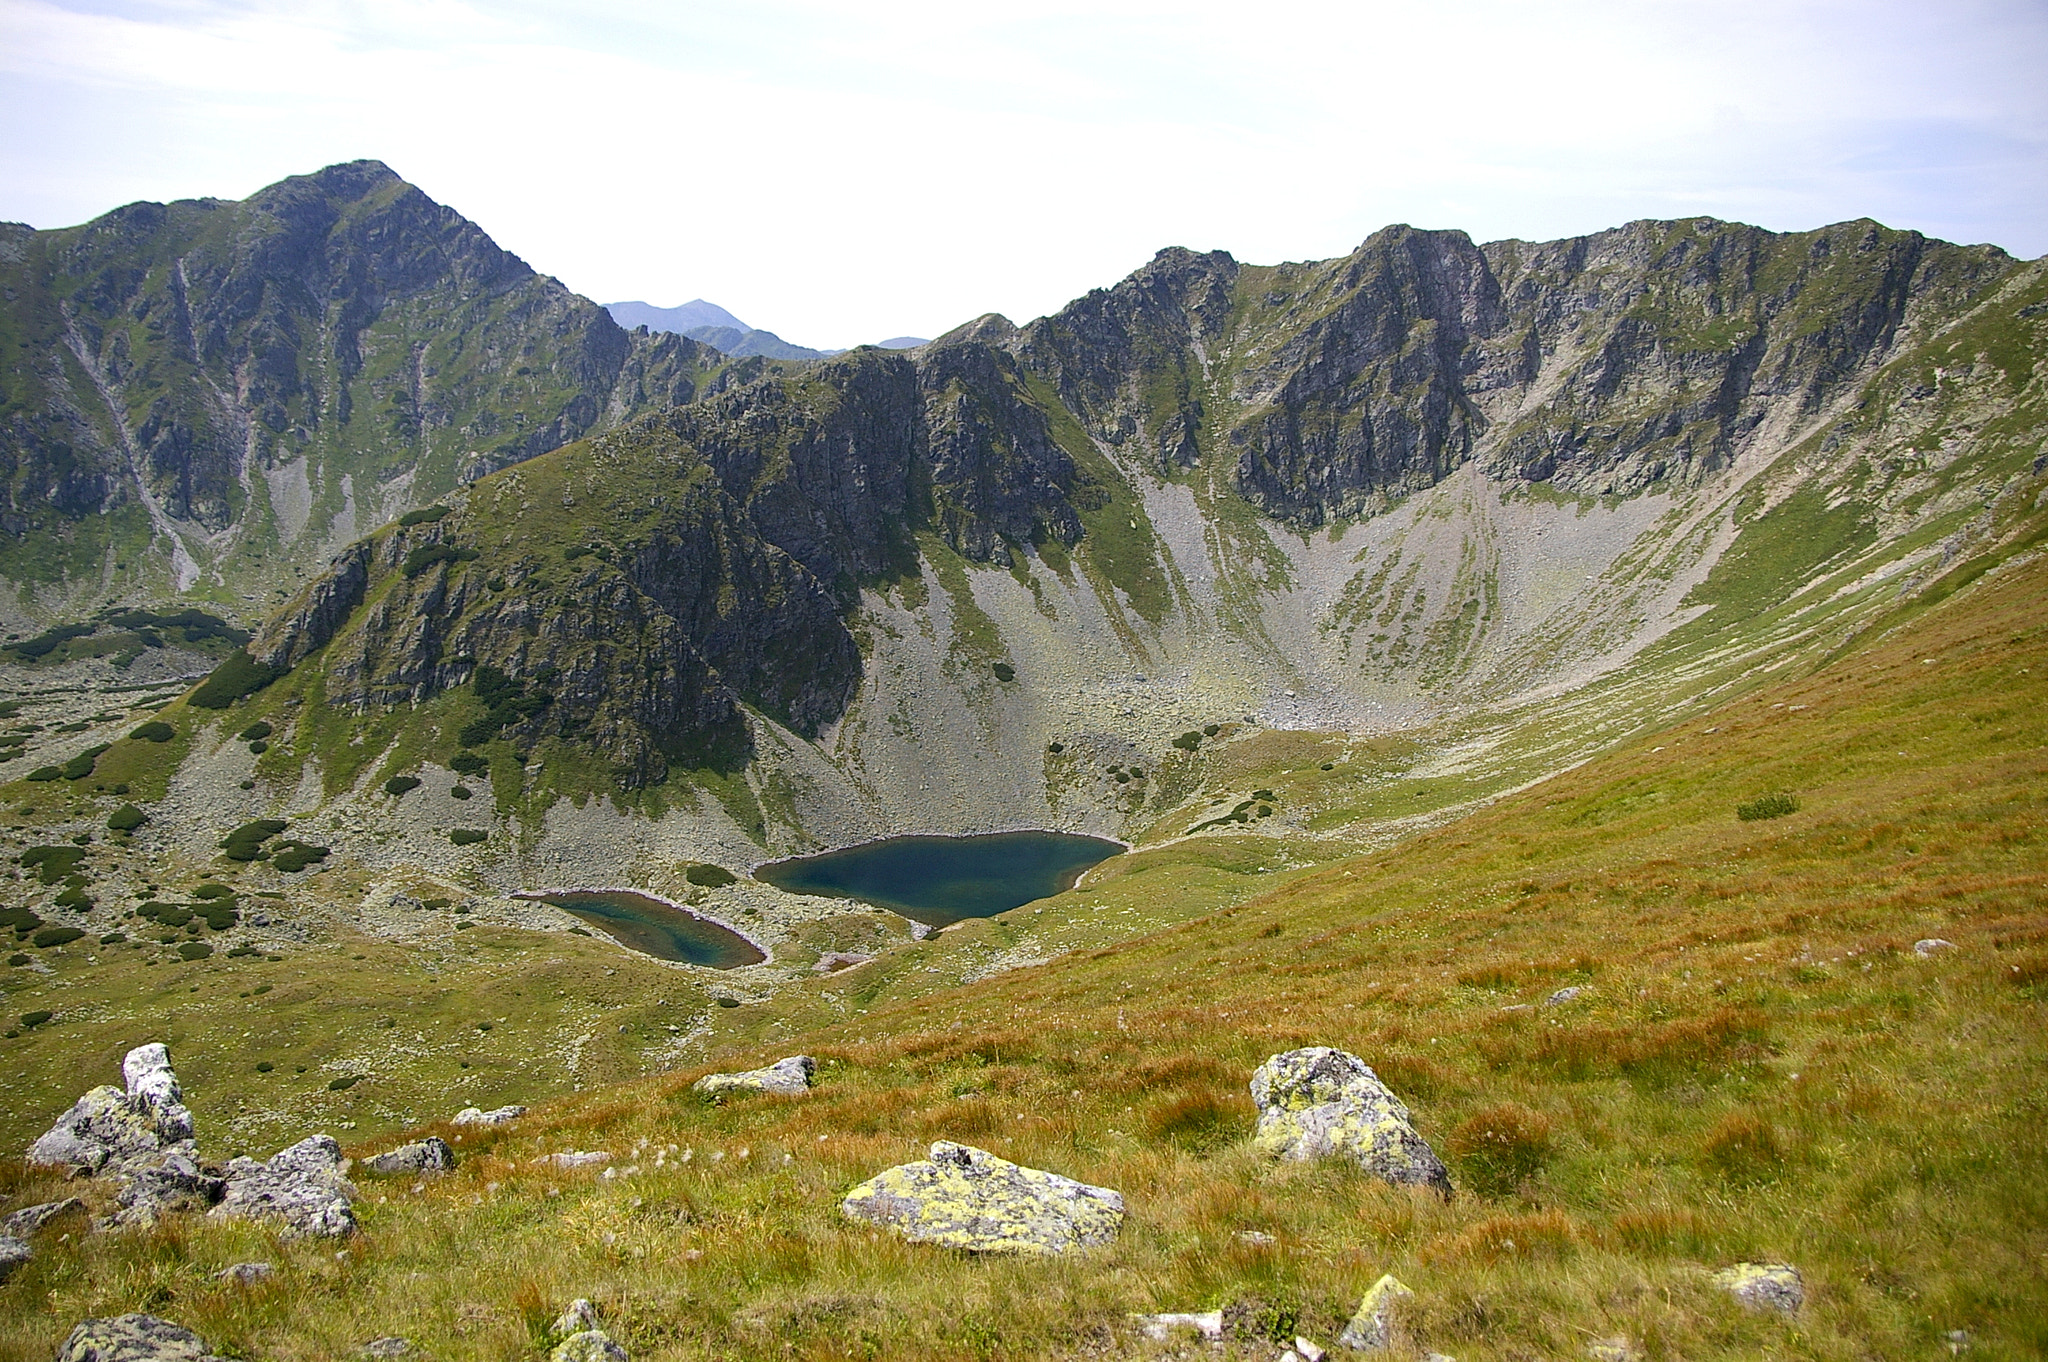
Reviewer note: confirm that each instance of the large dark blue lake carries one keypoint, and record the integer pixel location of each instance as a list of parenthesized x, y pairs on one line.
[(939, 880), (658, 929)]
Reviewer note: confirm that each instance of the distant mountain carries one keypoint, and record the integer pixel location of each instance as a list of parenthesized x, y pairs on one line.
[(903, 342), (742, 341), (678, 320)]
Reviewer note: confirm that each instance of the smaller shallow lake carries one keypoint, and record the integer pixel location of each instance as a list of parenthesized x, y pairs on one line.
[(940, 880), (651, 927)]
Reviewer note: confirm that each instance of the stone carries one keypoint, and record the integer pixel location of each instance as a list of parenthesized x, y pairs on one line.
[(1612, 1350), (1563, 996), (246, 1274), (1307, 1351), (301, 1186), (13, 1253), (577, 1158), (1209, 1324), (1319, 1102), (591, 1345), (1372, 1328), (579, 1317), (789, 1077), (832, 962), (26, 1221), (134, 1338), (391, 1345), (1933, 945), (1764, 1286), (431, 1155), (109, 1125), (1256, 1238), (476, 1116), (967, 1198), (173, 1181)]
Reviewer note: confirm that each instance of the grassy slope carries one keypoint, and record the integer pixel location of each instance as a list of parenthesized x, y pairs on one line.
[(1761, 1067)]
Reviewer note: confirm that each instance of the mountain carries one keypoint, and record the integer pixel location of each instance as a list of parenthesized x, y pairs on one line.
[(714, 326), (696, 312), (739, 342), (203, 396)]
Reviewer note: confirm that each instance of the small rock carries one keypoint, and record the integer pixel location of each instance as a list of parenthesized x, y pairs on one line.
[(1611, 1350), (26, 1221), (431, 1155), (1764, 1286), (1317, 1102), (475, 1116), (13, 1253), (577, 1158), (1307, 1351), (579, 1317), (967, 1198), (1256, 1238), (1959, 1341), (831, 962), (1563, 995), (1372, 1328), (1933, 945), (1438, 1357), (591, 1345), (787, 1076), (302, 1186), (134, 1338), (1208, 1324), (389, 1346), (1519, 1007), (246, 1274)]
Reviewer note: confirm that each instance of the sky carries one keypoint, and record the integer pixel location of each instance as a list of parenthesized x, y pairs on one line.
[(840, 172)]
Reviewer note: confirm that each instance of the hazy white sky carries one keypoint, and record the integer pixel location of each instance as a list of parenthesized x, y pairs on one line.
[(840, 172)]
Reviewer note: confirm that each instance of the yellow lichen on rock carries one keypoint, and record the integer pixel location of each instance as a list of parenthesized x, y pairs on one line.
[(1318, 1101), (967, 1198)]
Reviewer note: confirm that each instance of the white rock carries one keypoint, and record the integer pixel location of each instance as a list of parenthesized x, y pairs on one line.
[(789, 1077), (580, 1315), (1931, 946), (476, 1116), (1209, 1324), (578, 1158), (1372, 1328), (1563, 995), (13, 1253), (1764, 1286), (1308, 1351), (247, 1274)]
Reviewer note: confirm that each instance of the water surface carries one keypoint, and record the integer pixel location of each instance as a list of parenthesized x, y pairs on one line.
[(654, 928), (939, 880)]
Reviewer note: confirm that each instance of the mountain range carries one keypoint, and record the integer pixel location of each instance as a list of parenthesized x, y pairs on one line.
[(714, 326)]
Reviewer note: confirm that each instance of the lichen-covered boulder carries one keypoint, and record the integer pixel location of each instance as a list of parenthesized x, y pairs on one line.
[(13, 1253), (301, 1186), (1318, 1102), (134, 1338), (26, 1221), (1372, 1328), (1764, 1286), (579, 1317), (591, 1345), (477, 1116), (789, 1077), (967, 1198), (110, 1126), (174, 1180), (431, 1155)]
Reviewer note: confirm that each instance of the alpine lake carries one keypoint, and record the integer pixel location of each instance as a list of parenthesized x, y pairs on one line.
[(942, 880)]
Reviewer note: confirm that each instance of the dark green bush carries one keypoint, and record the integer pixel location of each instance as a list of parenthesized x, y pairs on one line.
[(55, 936), (74, 898), (113, 938), (43, 773), (292, 857), (710, 876), (264, 1066), (80, 766), (1211, 730), (245, 843), (344, 1084), (237, 675), (156, 730), (258, 748), (727, 1002), (426, 555), (464, 837), (425, 515), (127, 818), (1188, 741), (194, 950), (1767, 806), (1005, 672), (399, 785), (256, 732), (19, 959), (460, 792), (51, 863), (469, 764), (35, 1019), (1055, 747)]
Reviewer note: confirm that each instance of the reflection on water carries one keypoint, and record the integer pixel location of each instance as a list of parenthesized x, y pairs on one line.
[(938, 880)]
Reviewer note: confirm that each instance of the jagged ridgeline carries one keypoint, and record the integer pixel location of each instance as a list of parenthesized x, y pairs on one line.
[(201, 394)]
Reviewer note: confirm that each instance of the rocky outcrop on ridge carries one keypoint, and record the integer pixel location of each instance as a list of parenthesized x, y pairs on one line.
[(967, 1198)]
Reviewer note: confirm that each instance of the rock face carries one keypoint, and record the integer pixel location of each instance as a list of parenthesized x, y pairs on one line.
[(26, 1221), (591, 1345), (967, 1198), (431, 1155), (13, 1253), (1372, 1328), (476, 1116), (301, 1186), (1764, 1286), (108, 1125), (134, 1338), (791, 1077), (1319, 1102), (172, 1181)]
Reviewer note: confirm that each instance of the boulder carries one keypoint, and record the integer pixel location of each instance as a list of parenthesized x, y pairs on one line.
[(246, 1274), (110, 1126), (579, 1317), (1932, 945), (1318, 1102), (13, 1253), (1564, 995), (431, 1155), (134, 1338), (591, 1345), (391, 1345), (301, 1186), (26, 1221), (1159, 1328), (476, 1116), (1764, 1286), (832, 962), (787, 1076), (576, 1158), (967, 1198), (1372, 1328), (173, 1181)]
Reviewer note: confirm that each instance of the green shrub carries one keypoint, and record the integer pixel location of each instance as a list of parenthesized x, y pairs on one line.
[(1005, 672), (426, 555), (425, 515), (727, 1002), (194, 950), (113, 938), (399, 785), (51, 863), (1500, 1148), (256, 732), (1211, 730), (465, 837), (344, 1084), (156, 730), (245, 843), (710, 876), (264, 1066), (74, 898), (127, 818), (505, 701), (292, 857), (461, 792), (34, 1019), (19, 959), (258, 748), (1055, 747), (43, 773), (213, 891), (469, 764), (238, 675), (56, 936), (1767, 806), (1188, 741), (80, 766)]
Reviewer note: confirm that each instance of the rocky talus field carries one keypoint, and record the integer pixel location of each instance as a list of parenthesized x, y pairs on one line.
[(1573, 710)]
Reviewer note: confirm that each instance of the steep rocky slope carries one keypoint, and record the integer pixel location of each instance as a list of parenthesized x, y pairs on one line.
[(203, 395)]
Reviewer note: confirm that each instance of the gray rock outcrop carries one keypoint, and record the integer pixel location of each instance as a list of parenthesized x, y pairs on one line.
[(1319, 1102), (246, 1274), (173, 1181), (301, 1186), (580, 1316), (13, 1253), (26, 1221), (789, 1077), (591, 1345), (134, 1338), (477, 1116), (1764, 1286), (112, 1126), (967, 1198), (431, 1155), (1372, 1328)]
